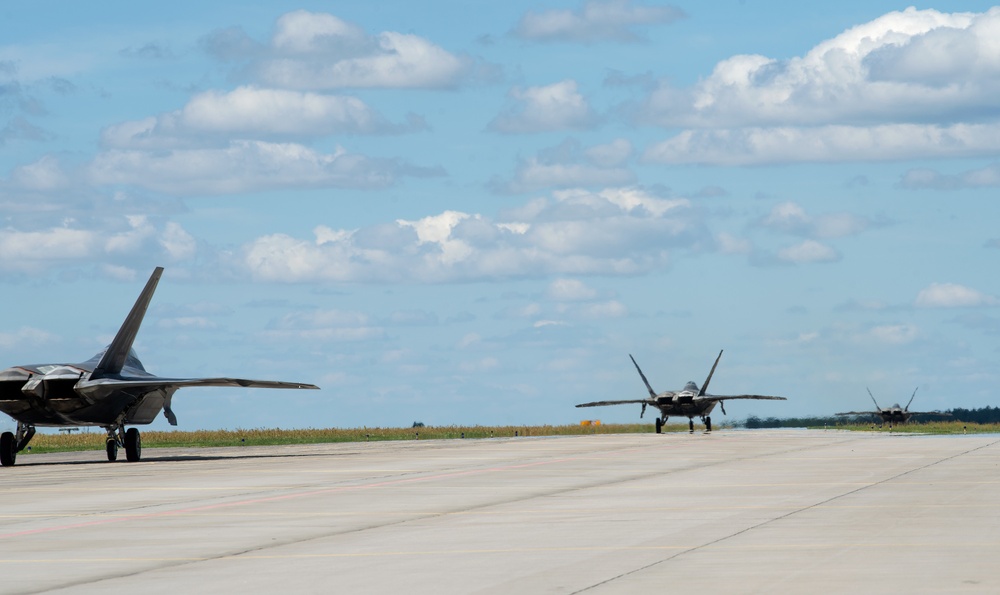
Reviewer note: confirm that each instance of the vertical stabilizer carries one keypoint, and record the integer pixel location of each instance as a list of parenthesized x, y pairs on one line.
[(907, 408), (114, 358), (704, 387)]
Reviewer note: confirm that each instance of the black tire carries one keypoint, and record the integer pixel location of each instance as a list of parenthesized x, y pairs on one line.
[(8, 449), (112, 448), (690, 425), (708, 424), (133, 445), (659, 426)]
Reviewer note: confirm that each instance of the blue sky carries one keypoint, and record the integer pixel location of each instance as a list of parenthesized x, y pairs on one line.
[(472, 216)]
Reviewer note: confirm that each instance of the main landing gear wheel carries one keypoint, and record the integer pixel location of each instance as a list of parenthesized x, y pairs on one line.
[(708, 424), (659, 425), (691, 425), (8, 449), (112, 447), (133, 445)]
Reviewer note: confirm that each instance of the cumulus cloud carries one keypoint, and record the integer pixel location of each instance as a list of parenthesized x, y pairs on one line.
[(894, 334), (809, 251), (790, 217), (312, 50), (245, 166), (951, 295), (25, 336), (569, 165), (834, 143), (570, 290), (915, 83), (558, 106), (255, 112), (929, 179), (323, 326), (611, 20), (118, 242), (623, 231)]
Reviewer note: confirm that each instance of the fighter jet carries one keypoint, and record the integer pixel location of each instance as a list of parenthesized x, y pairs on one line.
[(895, 414), (688, 402), (109, 390)]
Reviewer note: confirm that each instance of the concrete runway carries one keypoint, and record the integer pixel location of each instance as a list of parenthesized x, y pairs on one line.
[(768, 511)]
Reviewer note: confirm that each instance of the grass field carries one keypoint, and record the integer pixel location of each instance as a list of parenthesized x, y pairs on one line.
[(262, 437)]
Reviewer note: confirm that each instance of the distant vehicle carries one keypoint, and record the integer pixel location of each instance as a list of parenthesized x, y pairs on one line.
[(109, 390), (895, 414), (689, 402)]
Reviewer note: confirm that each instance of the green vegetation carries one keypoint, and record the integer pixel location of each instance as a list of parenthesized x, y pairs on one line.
[(94, 440), (931, 427)]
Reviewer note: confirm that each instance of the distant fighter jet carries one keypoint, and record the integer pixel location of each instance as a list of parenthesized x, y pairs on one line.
[(687, 402), (109, 390), (895, 414)]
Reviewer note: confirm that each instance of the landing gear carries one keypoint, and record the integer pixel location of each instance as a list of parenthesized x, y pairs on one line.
[(112, 447), (133, 445), (708, 424), (118, 437), (12, 443), (8, 449), (691, 425), (659, 425)]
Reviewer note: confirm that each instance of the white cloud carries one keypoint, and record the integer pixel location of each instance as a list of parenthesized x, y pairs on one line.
[(320, 51), (929, 179), (570, 290), (951, 295), (756, 146), (790, 217), (616, 231), (260, 113), (730, 244), (120, 240), (569, 165), (242, 166), (807, 252), (895, 334), (558, 106), (323, 326), (24, 337), (611, 20), (909, 84)]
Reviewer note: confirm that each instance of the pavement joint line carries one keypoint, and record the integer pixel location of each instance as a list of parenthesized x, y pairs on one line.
[(784, 516)]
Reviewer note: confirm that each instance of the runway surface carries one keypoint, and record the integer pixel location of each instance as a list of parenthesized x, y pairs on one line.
[(733, 511)]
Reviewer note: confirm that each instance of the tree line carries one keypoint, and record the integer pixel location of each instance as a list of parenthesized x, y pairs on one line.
[(984, 415)]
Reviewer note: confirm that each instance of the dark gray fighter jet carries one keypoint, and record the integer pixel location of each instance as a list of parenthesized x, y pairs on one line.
[(895, 414), (688, 402), (109, 390)]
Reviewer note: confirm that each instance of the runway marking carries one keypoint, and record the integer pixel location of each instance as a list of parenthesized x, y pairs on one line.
[(479, 551), (284, 497), (715, 543)]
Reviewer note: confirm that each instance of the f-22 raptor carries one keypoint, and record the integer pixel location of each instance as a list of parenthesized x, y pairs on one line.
[(894, 415), (688, 402), (109, 390)]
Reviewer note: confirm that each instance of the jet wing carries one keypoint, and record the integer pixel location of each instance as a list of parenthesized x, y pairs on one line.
[(629, 402), (858, 413), (731, 397), (928, 413), (105, 384)]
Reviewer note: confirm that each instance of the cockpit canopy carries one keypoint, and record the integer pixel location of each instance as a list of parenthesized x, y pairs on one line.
[(691, 386)]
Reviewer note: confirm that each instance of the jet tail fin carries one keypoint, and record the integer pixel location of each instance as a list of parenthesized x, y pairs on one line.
[(876, 402), (652, 393), (704, 387), (907, 408), (114, 358)]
